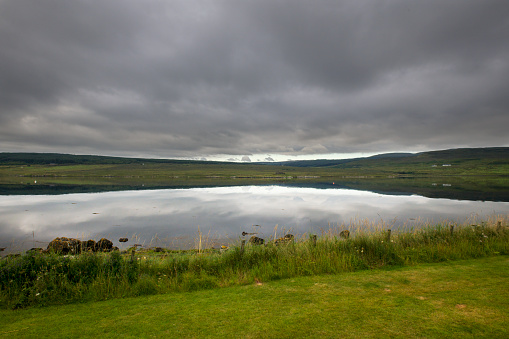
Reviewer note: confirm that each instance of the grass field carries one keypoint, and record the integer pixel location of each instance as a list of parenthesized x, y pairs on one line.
[(441, 183), (447, 300), (126, 173)]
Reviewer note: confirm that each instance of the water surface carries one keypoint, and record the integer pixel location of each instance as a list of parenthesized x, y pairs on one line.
[(173, 217)]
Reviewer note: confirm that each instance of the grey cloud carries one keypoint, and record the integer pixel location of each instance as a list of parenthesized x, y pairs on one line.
[(193, 78)]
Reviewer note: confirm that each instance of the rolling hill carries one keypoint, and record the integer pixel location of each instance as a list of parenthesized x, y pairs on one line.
[(461, 161)]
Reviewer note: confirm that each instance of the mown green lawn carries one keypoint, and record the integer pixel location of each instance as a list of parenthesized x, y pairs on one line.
[(452, 299)]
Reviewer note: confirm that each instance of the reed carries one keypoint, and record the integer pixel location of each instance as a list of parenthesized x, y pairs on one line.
[(43, 279)]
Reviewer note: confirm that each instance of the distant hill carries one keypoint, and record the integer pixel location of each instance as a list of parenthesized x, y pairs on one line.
[(467, 153), (337, 162), (497, 155), (70, 159), (450, 155)]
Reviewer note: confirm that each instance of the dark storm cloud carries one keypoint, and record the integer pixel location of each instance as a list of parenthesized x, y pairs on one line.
[(192, 78)]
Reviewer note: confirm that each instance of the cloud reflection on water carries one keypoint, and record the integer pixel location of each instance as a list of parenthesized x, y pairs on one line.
[(174, 215)]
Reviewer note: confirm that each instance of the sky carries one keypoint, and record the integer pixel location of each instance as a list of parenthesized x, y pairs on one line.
[(254, 79)]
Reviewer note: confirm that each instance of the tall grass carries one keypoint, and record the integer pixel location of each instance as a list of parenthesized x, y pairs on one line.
[(41, 279)]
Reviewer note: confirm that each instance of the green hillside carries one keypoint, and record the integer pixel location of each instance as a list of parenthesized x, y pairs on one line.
[(71, 159), (498, 155), (466, 161), (116, 170)]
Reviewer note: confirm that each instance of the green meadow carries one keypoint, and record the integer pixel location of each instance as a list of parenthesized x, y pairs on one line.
[(162, 171), (448, 300)]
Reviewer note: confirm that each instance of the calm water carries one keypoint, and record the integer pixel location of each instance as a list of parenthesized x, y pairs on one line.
[(173, 217)]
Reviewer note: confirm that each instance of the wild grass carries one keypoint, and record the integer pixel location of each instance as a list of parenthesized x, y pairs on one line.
[(35, 279)]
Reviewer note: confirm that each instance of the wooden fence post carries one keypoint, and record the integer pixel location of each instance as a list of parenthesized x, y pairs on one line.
[(388, 235), (452, 229), (242, 244), (499, 226)]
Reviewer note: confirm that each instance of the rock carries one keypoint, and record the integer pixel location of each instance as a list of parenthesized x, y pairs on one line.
[(123, 240), (104, 245), (88, 245), (256, 241), (64, 245), (345, 234)]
